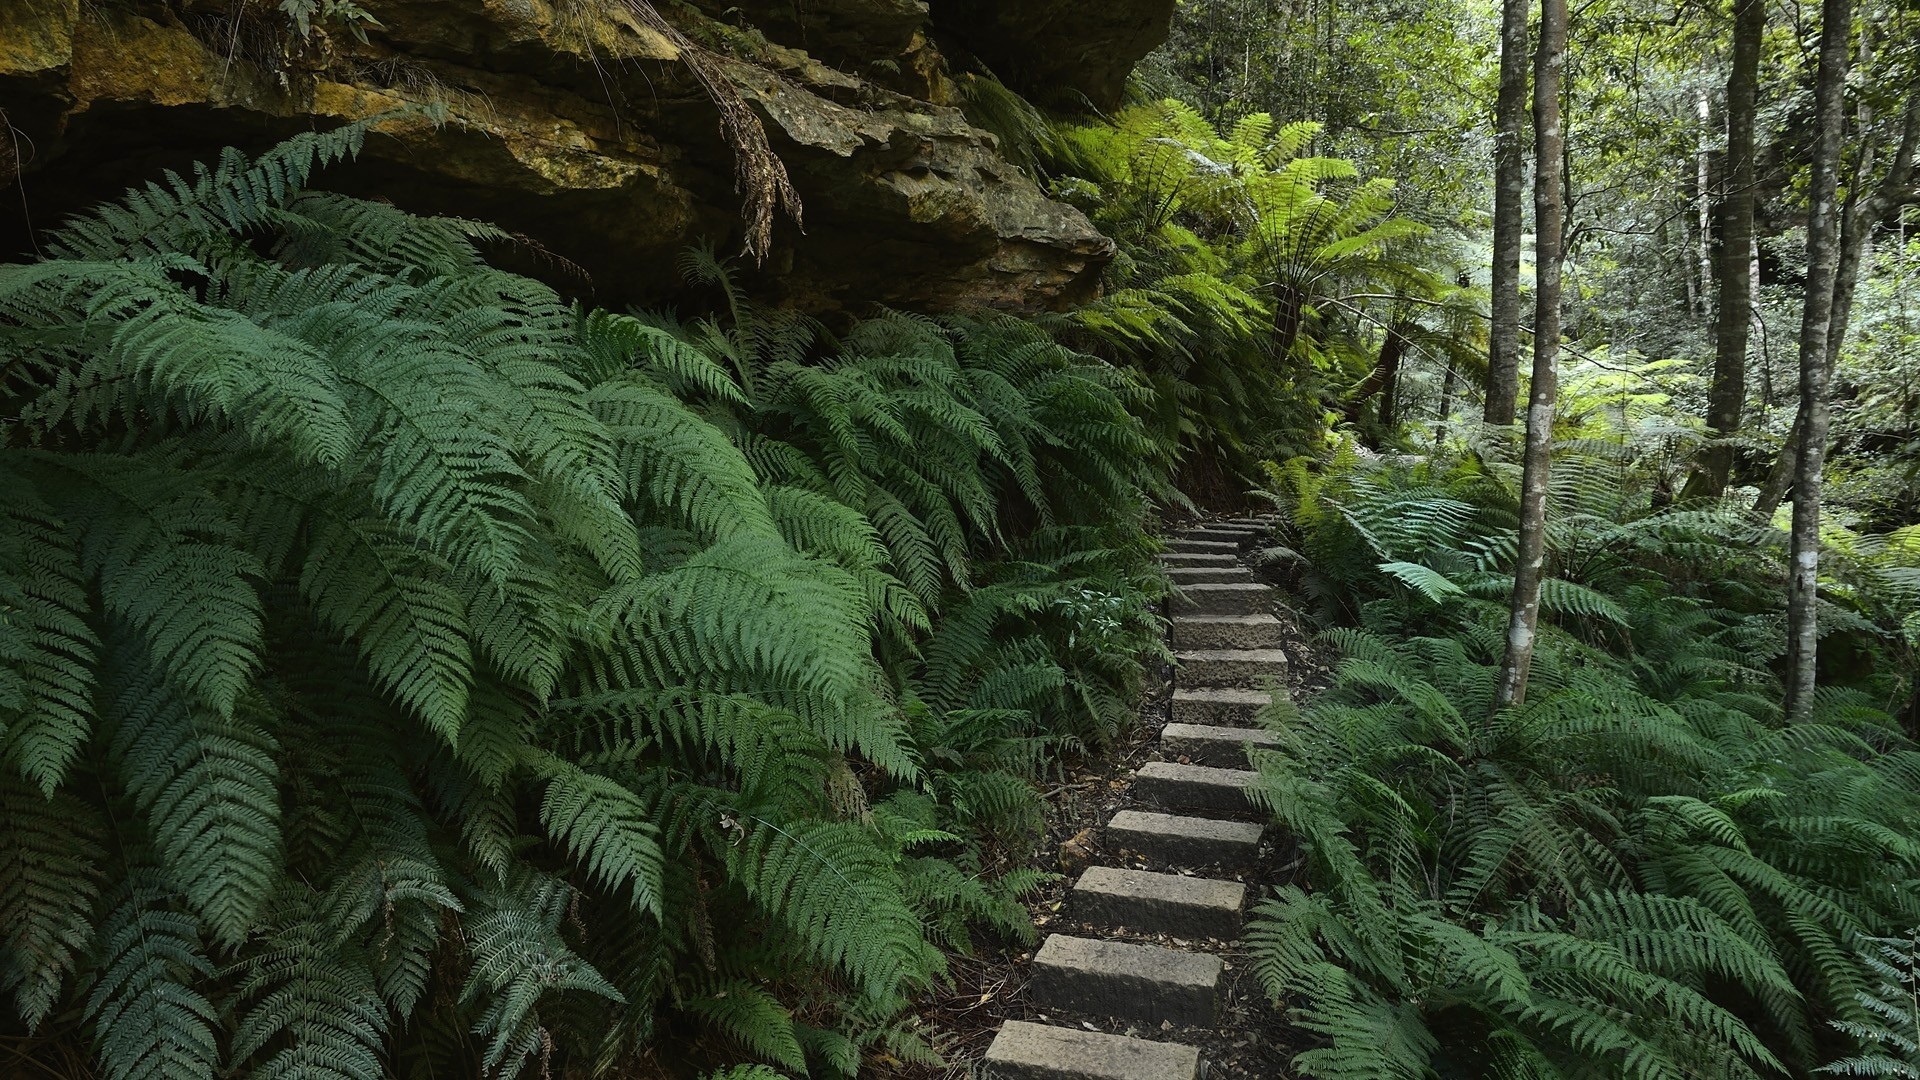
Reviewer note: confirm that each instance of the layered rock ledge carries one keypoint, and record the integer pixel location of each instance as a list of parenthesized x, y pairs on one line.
[(574, 123)]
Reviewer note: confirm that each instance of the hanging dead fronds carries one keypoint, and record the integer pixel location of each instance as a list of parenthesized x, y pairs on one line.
[(759, 174)]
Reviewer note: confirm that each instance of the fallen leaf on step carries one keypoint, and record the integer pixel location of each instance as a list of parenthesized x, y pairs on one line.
[(1084, 1023)]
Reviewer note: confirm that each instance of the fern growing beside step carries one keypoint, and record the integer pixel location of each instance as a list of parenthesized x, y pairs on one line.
[(1642, 872), (405, 671)]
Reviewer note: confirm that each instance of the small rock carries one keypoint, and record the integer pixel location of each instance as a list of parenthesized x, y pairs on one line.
[(1077, 854)]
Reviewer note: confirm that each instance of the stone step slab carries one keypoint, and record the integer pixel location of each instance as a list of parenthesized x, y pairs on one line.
[(1227, 632), (1186, 841), (1208, 575), (1171, 559), (1219, 530), (1239, 541), (1186, 907), (1246, 598), (1144, 983), (1193, 787), (1219, 707), (1230, 667), (1204, 547), (1026, 1051), (1211, 744)]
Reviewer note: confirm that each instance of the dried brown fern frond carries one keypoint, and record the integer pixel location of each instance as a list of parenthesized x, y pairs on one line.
[(759, 174)]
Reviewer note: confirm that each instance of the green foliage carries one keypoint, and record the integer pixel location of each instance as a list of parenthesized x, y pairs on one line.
[(1643, 871), (1257, 282), (404, 671), (1890, 1032)]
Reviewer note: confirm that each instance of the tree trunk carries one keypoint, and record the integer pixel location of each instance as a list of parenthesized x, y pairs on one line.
[(1855, 229), (1703, 198), (1380, 380), (1509, 191), (1823, 255), (1530, 563), (1446, 407), (1390, 386), (1727, 396)]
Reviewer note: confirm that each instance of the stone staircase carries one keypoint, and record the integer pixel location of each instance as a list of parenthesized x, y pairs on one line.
[(1226, 642)]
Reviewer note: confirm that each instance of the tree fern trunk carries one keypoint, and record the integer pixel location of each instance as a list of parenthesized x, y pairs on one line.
[(1530, 564), (1390, 382), (1509, 190), (1727, 397), (1823, 252)]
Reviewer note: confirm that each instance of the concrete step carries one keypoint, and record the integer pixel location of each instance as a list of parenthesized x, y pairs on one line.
[(1203, 547), (1186, 907), (1258, 522), (1212, 744), (1229, 667), (1208, 575), (1209, 529), (1227, 632), (1134, 982), (1219, 707), (1248, 598), (1240, 540), (1024, 1051), (1171, 559), (1186, 841), (1193, 787)]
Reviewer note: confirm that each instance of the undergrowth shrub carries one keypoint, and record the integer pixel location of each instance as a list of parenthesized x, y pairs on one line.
[(405, 672), (1643, 871)]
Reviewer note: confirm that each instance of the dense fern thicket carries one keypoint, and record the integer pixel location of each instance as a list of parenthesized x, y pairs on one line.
[(409, 673), (1265, 292), (1644, 871)]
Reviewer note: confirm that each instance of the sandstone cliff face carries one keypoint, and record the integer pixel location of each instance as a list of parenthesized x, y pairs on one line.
[(574, 123)]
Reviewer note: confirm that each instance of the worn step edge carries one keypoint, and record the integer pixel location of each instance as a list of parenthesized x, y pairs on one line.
[(1172, 559), (1228, 599), (1214, 744), (1226, 534), (1229, 667), (1209, 575), (1186, 907), (1027, 1051), (1193, 787), (1227, 632), (1220, 706), (1135, 982), (1185, 841), (1215, 547)]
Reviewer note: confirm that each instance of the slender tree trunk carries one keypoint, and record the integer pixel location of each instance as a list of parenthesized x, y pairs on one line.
[(1727, 397), (1703, 199), (1758, 322), (1446, 407), (1509, 193), (1530, 563), (1823, 255), (1855, 229)]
